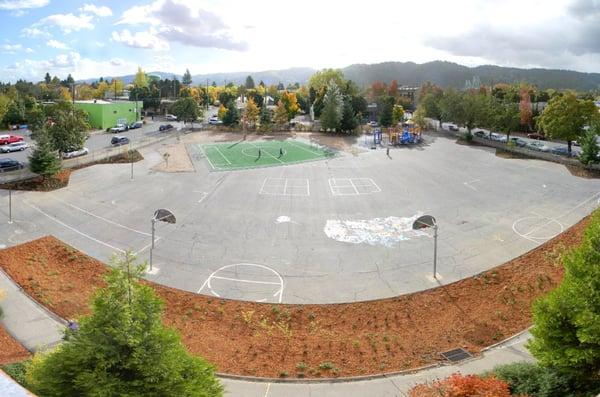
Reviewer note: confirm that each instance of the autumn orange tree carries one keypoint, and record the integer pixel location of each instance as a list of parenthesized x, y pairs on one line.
[(459, 385), (525, 110), (251, 112), (290, 103)]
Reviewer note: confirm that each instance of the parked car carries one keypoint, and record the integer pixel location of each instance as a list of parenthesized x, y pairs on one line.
[(165, 127), (10, 165), (14, 147), (481, 134), (171, 117), (518, 141), (452, 127), (536, 135), (135, 124), (497, 137), (75, 153), (373, 124), (119, 128), (562, 151), (214, 120), (5, 139), (538, 147), (119, 140)]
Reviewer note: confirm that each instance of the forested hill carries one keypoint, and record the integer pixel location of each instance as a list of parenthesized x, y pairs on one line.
[(448, 74)]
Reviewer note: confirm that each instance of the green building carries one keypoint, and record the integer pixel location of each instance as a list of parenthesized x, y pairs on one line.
[(105, 114)]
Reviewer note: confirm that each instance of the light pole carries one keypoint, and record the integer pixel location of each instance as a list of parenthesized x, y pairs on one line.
[(424, 222), (161, 215), (10, 221)]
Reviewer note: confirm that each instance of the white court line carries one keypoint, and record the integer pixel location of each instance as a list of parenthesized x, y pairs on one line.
[(145, 247), (285, 187), (250, 143), (354, 186), (204, 195), (72, 228), (303, 148), (101, 218), (207, 158), (242, 280), (267, 391), (222, 155)]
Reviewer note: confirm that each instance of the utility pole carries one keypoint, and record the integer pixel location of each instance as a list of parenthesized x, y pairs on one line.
[(206, 96), (115, 84)]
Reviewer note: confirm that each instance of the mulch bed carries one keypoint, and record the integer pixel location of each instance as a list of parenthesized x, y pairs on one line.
[(60, 180), (361, 338), (11, 351)]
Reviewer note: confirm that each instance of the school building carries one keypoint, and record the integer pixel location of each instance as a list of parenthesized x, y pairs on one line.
[(107, 114)]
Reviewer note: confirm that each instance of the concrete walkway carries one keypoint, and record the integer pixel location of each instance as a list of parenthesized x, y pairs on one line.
[(36, 329)]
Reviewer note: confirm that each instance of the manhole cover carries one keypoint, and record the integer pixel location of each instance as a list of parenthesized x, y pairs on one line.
[(456, 355)]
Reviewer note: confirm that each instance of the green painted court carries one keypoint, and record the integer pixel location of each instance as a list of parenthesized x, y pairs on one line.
[(251, 154)]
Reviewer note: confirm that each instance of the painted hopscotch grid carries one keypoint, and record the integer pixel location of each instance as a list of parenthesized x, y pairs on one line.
[(285, 187), (352, 186)]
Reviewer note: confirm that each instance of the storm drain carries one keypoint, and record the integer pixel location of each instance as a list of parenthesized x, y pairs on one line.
[(456, 355)]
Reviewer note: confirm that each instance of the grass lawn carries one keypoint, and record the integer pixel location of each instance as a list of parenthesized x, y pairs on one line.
[(251, 154)]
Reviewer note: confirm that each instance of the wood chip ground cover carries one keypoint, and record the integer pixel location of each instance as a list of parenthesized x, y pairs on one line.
[(247, 338), (11, 351)]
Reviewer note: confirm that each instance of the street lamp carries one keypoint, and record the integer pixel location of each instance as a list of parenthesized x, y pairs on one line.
[(424, 222), (161, 215)]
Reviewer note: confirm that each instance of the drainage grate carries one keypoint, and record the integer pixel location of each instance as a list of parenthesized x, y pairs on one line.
[(456, 355)]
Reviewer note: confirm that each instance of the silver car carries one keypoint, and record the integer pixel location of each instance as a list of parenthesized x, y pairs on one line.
[(14, 147), (75, 153)]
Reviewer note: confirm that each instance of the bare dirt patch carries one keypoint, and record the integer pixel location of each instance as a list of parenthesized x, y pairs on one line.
[(359, 338), (11, 351), (175, 159)]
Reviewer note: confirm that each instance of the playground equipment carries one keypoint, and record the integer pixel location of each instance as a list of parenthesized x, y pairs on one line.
[(408, 134)]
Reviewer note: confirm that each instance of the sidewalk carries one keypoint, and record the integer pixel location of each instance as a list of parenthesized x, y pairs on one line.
[(36, 329)]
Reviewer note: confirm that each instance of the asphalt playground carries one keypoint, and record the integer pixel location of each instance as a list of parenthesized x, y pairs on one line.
[(335, 229)]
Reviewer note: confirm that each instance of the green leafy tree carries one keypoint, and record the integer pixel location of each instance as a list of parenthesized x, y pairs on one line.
[(232, 115), (349, 120), (431, 105), (186, 80), (69, 129), (397, 114), (290, 102), (321, 79), (331, 115), (589, 145), (505, 116), (419, 117), (44, 160), (186, 109), (473, 110), (123, 348), (565, 116), (36, 119), (249, 83), (15, 112), (566, 330), (386, 113), (4, 102)]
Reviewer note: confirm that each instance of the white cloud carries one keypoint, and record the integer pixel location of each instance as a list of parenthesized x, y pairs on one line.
[(57, 44), (11, 48), (101, 11), (29, 50), (63, 64), (22, 4), (146, 39), (67, 23), (34, 32), (183, 22)]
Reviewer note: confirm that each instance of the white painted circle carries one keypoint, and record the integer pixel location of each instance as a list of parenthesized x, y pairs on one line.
[(248, 280), (537, 228)]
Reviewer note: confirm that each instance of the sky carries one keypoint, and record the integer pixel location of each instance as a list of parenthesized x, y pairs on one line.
[(89, 39)]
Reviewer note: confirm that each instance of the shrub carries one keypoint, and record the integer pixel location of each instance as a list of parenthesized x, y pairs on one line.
[(589, 145), (459, 385), (17, 371), (534, 380)]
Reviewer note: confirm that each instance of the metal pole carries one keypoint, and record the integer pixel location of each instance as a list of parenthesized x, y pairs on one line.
[(435, 236), (10, 206), (152, 246), (131, 159)]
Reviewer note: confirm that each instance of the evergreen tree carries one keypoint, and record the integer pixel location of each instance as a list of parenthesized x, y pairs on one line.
[(331, 115), (70, 80), (232, 116), (47, 78), (265, 116), (123, 349), (249, 83), (349, 120), (566, 331), (589, 145), (186, 80), (386, 114), (44, 159)]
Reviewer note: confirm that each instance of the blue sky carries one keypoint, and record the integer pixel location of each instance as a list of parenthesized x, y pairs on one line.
[(109, 38)]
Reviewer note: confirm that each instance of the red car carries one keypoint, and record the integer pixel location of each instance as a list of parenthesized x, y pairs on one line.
[(6, 139)]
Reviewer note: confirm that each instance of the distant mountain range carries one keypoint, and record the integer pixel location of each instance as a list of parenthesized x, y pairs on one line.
[(445, 74)]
